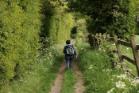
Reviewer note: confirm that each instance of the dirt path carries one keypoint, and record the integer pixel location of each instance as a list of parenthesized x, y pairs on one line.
[(56, 88), (79, 86)]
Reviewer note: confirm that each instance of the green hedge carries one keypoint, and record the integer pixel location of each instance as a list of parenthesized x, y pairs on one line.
[(61, 25), (19, 30), (59, 21)]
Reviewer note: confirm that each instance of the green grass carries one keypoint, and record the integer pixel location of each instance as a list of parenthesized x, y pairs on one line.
[(39, 79), (92, 64), (69, 81), (100, 77), (49, 76)]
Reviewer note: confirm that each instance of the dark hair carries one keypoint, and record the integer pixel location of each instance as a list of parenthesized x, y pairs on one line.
[(68, 42)]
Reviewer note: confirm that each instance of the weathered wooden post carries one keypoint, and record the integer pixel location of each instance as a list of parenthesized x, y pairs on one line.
[(135, 52)]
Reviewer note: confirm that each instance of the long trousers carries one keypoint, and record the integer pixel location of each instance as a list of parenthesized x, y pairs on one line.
[(68, 60)]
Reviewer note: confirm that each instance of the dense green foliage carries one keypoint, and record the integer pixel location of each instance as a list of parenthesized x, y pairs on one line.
[(61, 25), (40, 78), (32, 33), (25, 27), (59, 21), (19, 30), (111, 16)]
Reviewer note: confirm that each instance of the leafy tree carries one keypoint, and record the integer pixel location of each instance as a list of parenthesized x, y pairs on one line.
[(108, 16)]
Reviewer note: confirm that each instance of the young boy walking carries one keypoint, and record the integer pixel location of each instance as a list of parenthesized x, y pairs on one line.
[(70, 53)]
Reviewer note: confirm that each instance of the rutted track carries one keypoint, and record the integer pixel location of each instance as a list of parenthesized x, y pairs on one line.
[(56, 88), (79, 86)]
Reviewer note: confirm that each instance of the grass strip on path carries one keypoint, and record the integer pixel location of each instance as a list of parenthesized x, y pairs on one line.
[(57, 85), (69, 81), (79, 85)]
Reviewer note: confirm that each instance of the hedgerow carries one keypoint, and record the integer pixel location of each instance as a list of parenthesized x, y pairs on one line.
[(19, 36)]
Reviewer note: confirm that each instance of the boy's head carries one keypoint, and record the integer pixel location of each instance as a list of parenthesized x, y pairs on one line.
[(68, 42)]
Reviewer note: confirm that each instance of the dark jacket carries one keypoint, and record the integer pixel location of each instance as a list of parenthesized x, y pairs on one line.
[(69, 45)]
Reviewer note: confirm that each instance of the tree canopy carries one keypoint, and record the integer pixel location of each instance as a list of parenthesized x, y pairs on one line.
[(108, 16)]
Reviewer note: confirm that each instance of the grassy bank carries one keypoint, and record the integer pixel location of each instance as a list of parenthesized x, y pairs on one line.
[(39, 78), (48, 73), (100, 77)]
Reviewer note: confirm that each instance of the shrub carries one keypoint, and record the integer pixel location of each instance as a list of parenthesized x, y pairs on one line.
[(114, 17)]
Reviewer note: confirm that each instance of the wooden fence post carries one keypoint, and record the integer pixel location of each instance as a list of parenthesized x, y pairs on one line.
[(135, 52)]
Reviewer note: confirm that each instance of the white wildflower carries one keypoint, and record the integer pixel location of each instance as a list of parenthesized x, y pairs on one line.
[(127, 48), (104, 50), (90, 67), (122, 76), (118, 66), (113, 44), (100, 49), (106, 70), (111, 90), (112, 79), (120, 84), (82, 48)]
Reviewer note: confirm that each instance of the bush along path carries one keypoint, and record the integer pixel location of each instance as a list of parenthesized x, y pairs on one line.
[(68, 81)]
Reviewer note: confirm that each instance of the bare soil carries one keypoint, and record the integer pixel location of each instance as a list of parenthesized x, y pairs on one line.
[(56, 88), (79, 86)]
